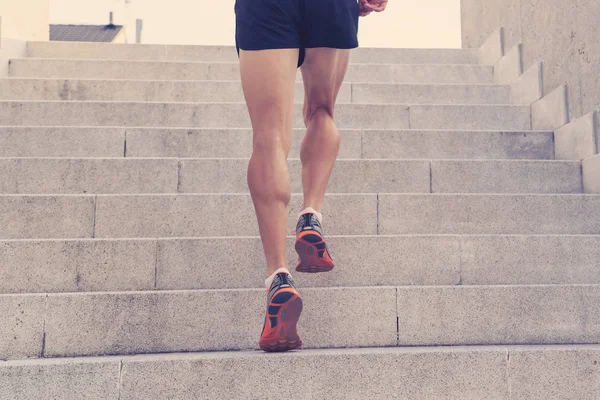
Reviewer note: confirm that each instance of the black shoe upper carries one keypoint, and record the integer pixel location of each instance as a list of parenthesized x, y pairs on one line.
[(308, 221)]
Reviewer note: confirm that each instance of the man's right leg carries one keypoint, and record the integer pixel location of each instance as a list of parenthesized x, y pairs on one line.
[(323, 72)]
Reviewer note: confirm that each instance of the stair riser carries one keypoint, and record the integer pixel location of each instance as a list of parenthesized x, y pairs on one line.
[(120, 323), (114, 216), (495, 373), (235, 115), (114, 51), (383, 73), (431, 144), (143, 264), (132, 176), (229, 91), (237, 143)]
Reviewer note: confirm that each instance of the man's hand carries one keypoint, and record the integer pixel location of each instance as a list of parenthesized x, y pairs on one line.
[(366, 7), (363, 11)]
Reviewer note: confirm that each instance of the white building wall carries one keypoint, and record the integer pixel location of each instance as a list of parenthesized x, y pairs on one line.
[(25, 19)]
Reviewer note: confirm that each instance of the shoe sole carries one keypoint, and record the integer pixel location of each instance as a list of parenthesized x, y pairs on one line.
[(287, 321), (308, 246)]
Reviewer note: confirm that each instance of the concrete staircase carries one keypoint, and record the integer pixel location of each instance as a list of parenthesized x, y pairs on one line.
[(467, 256)]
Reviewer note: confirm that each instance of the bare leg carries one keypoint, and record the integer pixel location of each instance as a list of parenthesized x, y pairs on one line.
[(323, 72), (268, 78)]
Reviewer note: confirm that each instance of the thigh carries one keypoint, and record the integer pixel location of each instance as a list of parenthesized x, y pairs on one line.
[(268, 80), (323, 72)]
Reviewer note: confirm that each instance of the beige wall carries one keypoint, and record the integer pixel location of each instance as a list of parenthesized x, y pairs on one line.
[(422, 23), (562, 34), (25, 19)]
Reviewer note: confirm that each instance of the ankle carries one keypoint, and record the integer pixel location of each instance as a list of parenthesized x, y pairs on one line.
[(310, 210), (269, 280)]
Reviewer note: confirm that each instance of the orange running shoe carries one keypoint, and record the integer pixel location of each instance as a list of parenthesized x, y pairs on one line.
[(284, 306), (310, 246)]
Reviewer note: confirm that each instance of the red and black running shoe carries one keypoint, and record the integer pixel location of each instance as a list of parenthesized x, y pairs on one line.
[(310, 246), (284, 306)]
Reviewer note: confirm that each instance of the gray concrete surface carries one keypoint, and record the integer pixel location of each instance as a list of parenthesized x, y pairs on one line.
[(142, 322), (508, 68), (22, 327), (36, 217), (87, 175), (527, 88), (112, 51), (554, 373), (458, 144), (137, 90), (488, 176), (551, 111), (187, 115), (562, 34), (382, 73), (380, 144), (33, 266), (18, 141), (470, 117), (577, 139), (379, 374), (464, 315), (530, 260), (591, 174), (219, 215), (219, 143), (348, 176), (492, 49), (89, 379), (196, 263), (382, 93), (489, 214)]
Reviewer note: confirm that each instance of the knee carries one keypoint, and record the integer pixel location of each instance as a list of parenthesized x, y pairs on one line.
[(317, 112), (269, 142)]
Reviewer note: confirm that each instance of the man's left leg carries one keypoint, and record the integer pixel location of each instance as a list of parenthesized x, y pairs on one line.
[(268, 80)]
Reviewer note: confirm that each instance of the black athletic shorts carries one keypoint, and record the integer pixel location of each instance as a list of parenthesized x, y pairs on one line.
[(296, 24)]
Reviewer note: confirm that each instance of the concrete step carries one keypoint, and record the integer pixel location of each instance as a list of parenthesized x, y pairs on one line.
[(162, 91), (420, 373), (80, 324), (465, 144), (206, 143), (97, 69), (37, 266), (112, 51), (170, 175), (488, 214), (235, 115), (184, 215), (384, 93), (231, 91)]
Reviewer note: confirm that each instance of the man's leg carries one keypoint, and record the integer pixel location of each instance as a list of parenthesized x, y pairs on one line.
[(323, 72), (268, 78)]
